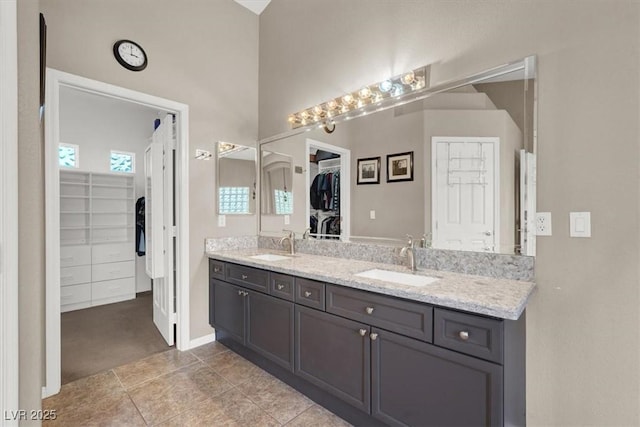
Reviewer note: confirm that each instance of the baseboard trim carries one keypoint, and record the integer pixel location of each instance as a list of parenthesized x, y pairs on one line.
[(202, 341)]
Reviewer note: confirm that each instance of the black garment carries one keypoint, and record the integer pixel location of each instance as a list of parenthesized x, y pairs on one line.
[(140, 249)]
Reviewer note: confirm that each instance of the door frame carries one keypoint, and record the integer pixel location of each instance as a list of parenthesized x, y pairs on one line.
[(435, 140), (55, 80), (9, 355), (345, 183)]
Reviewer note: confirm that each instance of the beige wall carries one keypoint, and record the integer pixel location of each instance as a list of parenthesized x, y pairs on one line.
[(202, 53), (583, 342), (30, 210)]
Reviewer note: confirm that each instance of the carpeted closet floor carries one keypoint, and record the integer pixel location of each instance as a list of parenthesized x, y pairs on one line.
[(100, 338)]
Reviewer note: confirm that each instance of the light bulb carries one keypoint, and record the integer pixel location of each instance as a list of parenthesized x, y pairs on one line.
[(408, 78), (304, 114), (332, 105), (385, 86), (292, 118), (364, 93), (397, 90), (347, 99), (317, 110), (418, 83)]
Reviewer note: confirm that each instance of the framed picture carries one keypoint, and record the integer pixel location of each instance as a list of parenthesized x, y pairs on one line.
[(369, 170), (400, 167)]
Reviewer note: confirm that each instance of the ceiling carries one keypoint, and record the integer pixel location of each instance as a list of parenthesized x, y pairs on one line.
[(255, 6)]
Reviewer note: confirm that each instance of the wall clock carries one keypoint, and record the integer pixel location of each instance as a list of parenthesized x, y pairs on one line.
[(130, 55)]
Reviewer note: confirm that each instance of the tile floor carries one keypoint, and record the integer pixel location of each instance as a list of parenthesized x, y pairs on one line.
[(206, 386)]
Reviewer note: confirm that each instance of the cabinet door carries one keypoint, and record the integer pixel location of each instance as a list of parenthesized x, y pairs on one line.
[(334, 354), (270, 328), (415, 383), (228, 309)]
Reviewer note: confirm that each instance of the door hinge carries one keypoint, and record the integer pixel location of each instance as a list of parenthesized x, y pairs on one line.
[(174, 231), (173, 317)]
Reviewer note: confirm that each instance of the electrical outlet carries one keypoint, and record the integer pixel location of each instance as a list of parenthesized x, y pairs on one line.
[(543, 223)]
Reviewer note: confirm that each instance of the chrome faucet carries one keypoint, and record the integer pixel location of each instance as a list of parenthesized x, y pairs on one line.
[(291, 237), (408, 251), (425, 242)]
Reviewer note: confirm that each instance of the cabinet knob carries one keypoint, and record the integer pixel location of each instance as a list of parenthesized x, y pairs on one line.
[(362, 332), (369, 310), (239, 292), (373, 336), (244, 277), (464, 335), (280, 286), (216, 269), (307, 294)]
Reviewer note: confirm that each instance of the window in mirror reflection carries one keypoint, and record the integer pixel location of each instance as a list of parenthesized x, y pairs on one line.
[(283, 202), (234, 200)]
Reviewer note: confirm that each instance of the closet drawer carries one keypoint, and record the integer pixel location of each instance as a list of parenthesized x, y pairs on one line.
[(113, 270), (249, 277), (113, 288), (75, 275), (75, 255), (474, 335), (310, 293), (113, 252), (216, 269), (404, 317), (281, 286), (75, 294)]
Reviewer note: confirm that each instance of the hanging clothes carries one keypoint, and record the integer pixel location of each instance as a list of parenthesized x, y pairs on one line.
[(140, 249), (324, 193)]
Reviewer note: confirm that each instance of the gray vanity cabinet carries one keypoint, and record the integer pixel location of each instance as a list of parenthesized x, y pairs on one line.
[(334, 354), (261, 322), (228, 308), (415, 383)]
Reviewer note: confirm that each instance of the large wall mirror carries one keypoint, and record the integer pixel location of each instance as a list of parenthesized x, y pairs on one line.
[(456, 166), (236, 179)]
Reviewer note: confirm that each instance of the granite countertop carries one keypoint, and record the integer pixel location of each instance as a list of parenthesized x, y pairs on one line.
[(500, 298)]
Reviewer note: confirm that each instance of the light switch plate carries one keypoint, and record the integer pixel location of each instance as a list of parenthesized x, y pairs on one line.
[(580, 224), (222, 220), (543, 223), (372, 214), (287, 219)]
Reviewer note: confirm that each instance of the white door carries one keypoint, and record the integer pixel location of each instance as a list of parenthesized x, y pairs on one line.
[(527, 203), (465, 196), (159, 226)]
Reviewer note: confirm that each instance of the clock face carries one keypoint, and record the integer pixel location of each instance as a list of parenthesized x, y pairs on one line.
[(130, 55)]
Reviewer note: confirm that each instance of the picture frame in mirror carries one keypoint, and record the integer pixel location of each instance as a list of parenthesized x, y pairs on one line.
[(400, 167), (369, 170)]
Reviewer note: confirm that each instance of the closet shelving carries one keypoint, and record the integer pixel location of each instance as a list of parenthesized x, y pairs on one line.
[(324, 167), (97, 231)]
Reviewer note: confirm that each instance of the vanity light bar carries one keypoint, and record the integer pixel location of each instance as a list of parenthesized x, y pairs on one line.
[(367, 96), (226, 148)]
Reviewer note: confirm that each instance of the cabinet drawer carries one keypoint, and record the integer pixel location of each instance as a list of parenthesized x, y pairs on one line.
[(216, 269), (281, 286), (113, 270), (405, 317), (310, 293), (75, 294), (113, 288), (75, 275), (474, 335), (248, 277), (112, 253), (75, 255)]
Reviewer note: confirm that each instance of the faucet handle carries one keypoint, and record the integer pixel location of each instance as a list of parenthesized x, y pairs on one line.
[(306, 233), (410, 242)]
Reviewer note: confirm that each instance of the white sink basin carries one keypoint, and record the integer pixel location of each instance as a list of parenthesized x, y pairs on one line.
[(397, 277), (270, 257)]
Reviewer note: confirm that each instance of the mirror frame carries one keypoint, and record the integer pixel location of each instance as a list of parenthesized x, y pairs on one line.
[(527, 64)]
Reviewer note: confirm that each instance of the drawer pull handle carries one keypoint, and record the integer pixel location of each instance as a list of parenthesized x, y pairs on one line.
[(244, 277), (216, 269), (373, 336), (362, 332), (464, 335), (307, 294), (369, 310), (239, 292), (280, 286), (245, 293)]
